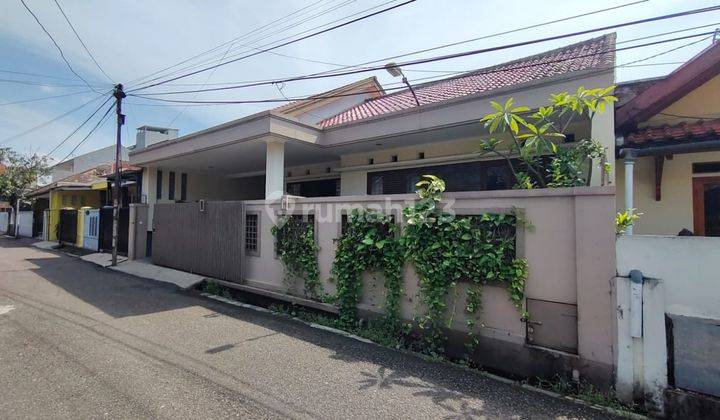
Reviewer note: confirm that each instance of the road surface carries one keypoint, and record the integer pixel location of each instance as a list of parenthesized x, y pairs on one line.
[(80, 341)]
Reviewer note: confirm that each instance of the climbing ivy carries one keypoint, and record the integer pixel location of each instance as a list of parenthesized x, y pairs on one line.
[(447, 250), (295, 246), (368, 242)]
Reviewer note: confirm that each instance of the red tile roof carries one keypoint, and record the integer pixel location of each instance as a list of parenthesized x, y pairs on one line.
[(86, 178), (591, 54), (698, 130)]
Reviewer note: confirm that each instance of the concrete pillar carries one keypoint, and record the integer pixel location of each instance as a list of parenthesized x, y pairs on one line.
[(274, 170), (629, 205), (595, 269), (602, 129)]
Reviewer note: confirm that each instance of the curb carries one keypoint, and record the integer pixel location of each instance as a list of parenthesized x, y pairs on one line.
[(608, 410)]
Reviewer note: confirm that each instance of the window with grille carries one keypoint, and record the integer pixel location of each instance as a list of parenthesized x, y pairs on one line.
[(252, 222)]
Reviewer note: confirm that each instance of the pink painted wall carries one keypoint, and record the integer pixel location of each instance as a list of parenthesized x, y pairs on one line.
[(570, 251)]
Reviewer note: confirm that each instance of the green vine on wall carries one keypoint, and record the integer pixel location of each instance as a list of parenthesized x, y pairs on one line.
[(296, 247), (368, 242), (447, 250)]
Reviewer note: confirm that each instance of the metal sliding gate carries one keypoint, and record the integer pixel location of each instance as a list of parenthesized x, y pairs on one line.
[(67, 226), (203, 238), (105, 234)]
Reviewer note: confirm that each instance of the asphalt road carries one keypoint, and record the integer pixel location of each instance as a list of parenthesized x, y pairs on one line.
[(79, 341)]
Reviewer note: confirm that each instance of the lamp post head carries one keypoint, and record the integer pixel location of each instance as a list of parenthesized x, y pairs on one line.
[(393, 69)]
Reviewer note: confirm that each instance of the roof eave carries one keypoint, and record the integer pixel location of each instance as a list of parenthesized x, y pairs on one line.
[(580, 74)]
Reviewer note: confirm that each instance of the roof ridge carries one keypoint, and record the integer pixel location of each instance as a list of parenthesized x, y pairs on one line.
[(608, 40), (483, 70), (318, 96)]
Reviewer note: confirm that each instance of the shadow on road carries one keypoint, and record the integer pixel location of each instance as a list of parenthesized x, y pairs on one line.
[(461, 394)]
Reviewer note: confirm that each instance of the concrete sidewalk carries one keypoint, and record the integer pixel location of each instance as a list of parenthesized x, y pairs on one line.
[(146, 269), (143, 268), (79, 341)]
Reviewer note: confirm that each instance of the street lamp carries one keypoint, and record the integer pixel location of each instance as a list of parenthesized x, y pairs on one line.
[(395, 71)]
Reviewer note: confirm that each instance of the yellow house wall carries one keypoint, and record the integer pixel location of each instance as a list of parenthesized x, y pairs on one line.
[(87, 198), (675, 211), (701, 102)]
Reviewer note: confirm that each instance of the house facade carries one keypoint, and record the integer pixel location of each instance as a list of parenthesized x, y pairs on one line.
[(362, 141), (669, 149), (213, 196)]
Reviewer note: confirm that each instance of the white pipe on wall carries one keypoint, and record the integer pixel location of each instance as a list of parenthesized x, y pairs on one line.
[(629, 167)]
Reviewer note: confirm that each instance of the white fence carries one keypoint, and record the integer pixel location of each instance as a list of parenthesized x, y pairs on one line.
[(4, 221), (676, 309), (26, 223)]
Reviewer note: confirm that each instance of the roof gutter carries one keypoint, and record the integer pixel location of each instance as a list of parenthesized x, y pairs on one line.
[(704, 146)]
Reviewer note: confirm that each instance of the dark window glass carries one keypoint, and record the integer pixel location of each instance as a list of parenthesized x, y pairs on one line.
[(706, 167), (183, 187), (318, 188), (171, 186), (158, 186), (712, 210), (471, 176)]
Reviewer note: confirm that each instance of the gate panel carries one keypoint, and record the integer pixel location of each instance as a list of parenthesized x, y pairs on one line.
[(106, 222), (175, 235), (91, 229), (219, 245), (67, 228)]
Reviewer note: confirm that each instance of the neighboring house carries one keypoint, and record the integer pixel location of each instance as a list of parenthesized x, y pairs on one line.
[(373, 143), (85, 189), (668, 132), (84, 162)]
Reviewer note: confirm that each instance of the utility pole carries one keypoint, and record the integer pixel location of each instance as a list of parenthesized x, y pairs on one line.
[(119, 95)]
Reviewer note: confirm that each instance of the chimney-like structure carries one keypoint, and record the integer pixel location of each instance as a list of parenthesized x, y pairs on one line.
[(148, 135)]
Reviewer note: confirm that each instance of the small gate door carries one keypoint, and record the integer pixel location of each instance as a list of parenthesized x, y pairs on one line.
[(67, 228), (91, 230)]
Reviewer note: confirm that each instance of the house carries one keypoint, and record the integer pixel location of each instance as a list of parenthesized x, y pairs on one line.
[(84, 162), (371, 142), (87, 189), (213, 197), (668, 132)]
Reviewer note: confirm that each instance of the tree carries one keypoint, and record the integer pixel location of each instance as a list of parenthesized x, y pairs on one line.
[(531, 138), (19, 176)]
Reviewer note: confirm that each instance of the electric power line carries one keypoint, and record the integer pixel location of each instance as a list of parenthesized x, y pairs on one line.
[(425, 50), (258, 29), (495, 69), (102, 120), (666, 52), (44, 98), (33, 83), (62, 55), (87, 50), (440, 58), (57, 146), (36, 75), (283, 44), (450, 72), (258, 48), (11, 138)]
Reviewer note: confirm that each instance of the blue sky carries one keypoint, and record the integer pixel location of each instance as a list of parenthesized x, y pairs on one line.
[(131, 39)]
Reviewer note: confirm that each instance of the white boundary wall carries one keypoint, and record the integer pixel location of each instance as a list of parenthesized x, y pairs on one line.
[(4, 220), (681, 278)]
